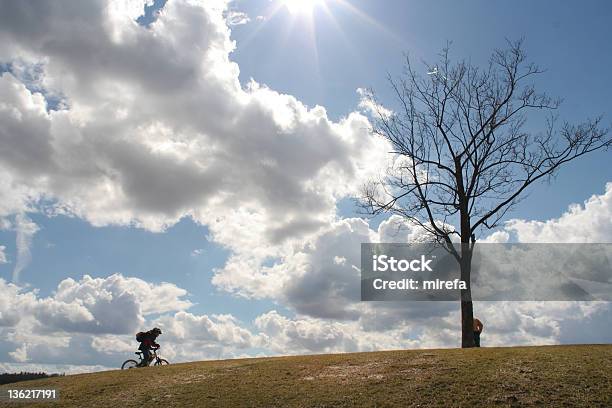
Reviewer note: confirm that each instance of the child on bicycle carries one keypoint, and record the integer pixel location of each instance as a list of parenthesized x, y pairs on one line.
[(147, 343)]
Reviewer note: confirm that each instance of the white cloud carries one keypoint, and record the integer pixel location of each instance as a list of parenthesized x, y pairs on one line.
[(71, 317), (590, 222), (114, 305), (256, 166), (20, 355), (369, 105), (120, 301), (533, 323), (59, 330), (319, 281), (197, 252), (497, 237), (118, 153), (305, 335), (285, 335), (320, 277), (26, 229), (234, 18), (83, 321), (3, 258), (13, 303), (203, 330)]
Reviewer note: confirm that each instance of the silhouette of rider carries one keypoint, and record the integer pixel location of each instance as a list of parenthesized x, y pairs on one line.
[(147, 344)]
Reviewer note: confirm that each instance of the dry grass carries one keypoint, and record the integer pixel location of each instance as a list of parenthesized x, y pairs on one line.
[(552, 376)]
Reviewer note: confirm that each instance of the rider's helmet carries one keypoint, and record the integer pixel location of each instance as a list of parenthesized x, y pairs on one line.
[(156, 331)]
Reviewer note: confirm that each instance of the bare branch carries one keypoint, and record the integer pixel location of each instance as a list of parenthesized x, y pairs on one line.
[(465, 156)]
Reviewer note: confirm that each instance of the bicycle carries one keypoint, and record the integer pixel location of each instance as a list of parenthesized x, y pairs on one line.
[(157, 361)]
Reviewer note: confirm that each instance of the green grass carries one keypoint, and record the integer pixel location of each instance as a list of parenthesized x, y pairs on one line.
[(550, 376)]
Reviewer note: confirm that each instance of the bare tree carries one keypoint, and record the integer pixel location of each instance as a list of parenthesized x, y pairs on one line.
[(462, 152)]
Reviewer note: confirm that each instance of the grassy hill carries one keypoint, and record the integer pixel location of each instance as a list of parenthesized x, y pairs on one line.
[(551, 376)]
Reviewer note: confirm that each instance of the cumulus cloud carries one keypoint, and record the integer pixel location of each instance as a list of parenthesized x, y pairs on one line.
[(14, 303), (497, 237), (537, 323), (283, 335), (119, 153), (115, 304), (319, 281), (304, 335), (589, 222), (321, 277), (152, 298), (20, 355), (69, 328), (206, 330), (252, 164), (97, 318), (90, 317)]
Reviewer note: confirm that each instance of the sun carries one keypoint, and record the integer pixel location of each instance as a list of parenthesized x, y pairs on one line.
[(301, 6)]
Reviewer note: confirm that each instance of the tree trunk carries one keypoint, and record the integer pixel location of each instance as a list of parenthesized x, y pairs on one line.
[(467, 324), (465, 263), (467, 310)]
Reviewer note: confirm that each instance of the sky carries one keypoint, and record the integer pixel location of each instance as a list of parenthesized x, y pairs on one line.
[(191, 165)]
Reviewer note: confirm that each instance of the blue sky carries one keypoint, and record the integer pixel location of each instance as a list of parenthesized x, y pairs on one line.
[(320, 57)]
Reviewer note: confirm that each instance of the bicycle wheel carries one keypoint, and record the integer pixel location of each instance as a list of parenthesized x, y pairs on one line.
[(161, 361), (129, 364)]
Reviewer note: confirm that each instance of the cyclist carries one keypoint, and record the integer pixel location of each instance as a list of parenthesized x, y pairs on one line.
[(147, 344)]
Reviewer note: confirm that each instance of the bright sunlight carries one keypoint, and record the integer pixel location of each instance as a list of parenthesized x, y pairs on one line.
[(301, 6)]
